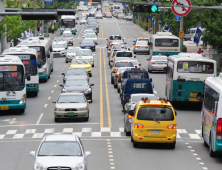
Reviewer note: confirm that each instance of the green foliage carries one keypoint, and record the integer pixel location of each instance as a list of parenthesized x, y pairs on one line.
[(184, 48), (142, 24)]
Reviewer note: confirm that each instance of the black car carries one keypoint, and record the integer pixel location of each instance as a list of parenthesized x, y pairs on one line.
[(88, 44), (75, 73), (78, 85)]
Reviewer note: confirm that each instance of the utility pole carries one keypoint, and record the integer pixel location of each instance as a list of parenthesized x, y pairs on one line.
[(181, 29), (43, 5)]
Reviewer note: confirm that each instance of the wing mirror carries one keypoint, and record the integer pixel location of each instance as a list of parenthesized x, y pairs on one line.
[(151, 79), (87, 153), (53, 101), (62, 74), (32, 153), (91, 84), (175, 113), (61, 85), (28, 77)]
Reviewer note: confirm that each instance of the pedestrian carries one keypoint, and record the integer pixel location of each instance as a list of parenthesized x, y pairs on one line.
[(53, 28), (202, 53), (199, 51)]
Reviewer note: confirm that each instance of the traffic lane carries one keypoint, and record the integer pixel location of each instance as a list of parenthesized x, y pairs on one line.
[(153, 156)]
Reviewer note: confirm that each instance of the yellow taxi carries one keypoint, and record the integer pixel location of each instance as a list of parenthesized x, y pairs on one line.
[(82, 63), (153, 121)]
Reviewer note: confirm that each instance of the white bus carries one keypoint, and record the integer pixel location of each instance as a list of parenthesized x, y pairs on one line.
[(185, 76), (68, 22), (29, 58), (12, 84), (45, 59), (164, 43), (211, 115)]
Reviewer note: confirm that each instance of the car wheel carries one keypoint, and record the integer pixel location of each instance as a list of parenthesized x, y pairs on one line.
[(86, 119), (128, 133), (118, 90), (115, 86), (22, 110), (135, 144), (93, 65), (56, 119), (91, 100), (66, 61), (172, 145), (134, 52), (112, 80), (52, 70), (131, 138), (49, 76), (149, 71), (35, 93), (90, 74), (211, 152)]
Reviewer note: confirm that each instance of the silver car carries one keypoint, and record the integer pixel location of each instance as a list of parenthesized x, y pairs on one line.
[(68, 36), (99, 15), (60, 152), (91, 36), (75, 72), (83, 21), (157, 63), (71, 105), (141, 47), (130, 105), (71, 53)]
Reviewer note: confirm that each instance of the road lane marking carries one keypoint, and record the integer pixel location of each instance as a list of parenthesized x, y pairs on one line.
[(101, 89), (45, 105), (55, 85), (57, 80), (138, 30), (120, 30), (49, 97), (80, 31), (107, 92), (52, 91), (102, 30), (39, 119)]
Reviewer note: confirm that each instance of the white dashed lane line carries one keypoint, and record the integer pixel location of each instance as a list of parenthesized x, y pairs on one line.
[(49, 97), (110, 152)]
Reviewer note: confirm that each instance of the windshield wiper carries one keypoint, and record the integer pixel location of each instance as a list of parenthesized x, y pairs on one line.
[(85, 62), (156, 120)]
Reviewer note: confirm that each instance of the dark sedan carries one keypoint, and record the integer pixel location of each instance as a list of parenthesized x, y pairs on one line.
[(88, 44)]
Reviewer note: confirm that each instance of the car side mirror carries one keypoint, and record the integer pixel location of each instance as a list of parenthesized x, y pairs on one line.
[(39, 65), (131, 112), (139, 64), (175, 113), (61, 85), (28, 77), (148, 59), (151, 79), (79, 42), (53, 101), (91, 84), (32, 153), (87, 153), (134, 56), (62, 74)]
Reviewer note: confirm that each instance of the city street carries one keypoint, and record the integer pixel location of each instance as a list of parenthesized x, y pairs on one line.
[(103, 134)]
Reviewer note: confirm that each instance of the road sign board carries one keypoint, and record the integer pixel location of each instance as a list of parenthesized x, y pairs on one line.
[(177, 18), (48, 2), (180, 10)]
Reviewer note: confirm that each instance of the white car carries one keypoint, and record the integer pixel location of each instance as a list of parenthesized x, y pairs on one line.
[(58, 50), (83, 21), (86, 54), (86, 31), (60, 151), (60, 40), (91, 36)]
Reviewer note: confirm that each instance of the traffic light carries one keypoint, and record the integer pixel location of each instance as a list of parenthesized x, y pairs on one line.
[(146, 8)]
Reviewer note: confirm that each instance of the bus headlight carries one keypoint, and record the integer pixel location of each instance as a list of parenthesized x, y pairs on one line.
[(23, 99)]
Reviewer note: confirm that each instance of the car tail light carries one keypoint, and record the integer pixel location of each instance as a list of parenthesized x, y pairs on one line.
[(181, 80), (138, 126), (129, 116), (118, 15), (108, 42), (172, 126), (109, 48), (147, 47), (117, 75), (38, 53), (137, 46), (152, 63), (219, 129), (111, 58)]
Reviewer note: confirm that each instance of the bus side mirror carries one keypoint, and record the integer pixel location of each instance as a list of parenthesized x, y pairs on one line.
[(151, 79), (39, 66), (28, 77)]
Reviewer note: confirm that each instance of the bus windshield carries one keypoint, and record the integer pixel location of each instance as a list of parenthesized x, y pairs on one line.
[(195, 67), (166, 43), (68, 23), (41, 54), (12, 78)]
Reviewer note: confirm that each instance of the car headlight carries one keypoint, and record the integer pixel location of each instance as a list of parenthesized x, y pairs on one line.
[(57, 109), (88, 91), (38, 166), (23, 99), (79, 166), (82, 109)]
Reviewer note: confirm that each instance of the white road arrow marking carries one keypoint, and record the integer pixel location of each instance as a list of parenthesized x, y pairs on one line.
[(11, 121)]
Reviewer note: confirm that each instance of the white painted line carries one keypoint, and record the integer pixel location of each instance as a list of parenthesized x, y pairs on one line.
[(105, 129), (49, 131), (45, 105), (120, 30), (178, 136), (115, 134), (67, 130), (2, 136), (194, 136), (204, 167), (198, 132), (55, 85), (112, 167), (11, 132), (96, 134), (192, 150), (109, 146), (39, 119), (79, 134), (198, 159), (109, 149), (181, 131), (189, 146), (110, 152), (201, 163), (28, 131), (195, 154), (86, 129), (108, 139), (49, 97), (121, 129), (57, 80), (38, 135), (111, 156), (111, 163), (59, 76), (52, 91), (108, 143), (57, 133), (187, 143), (18, 136), (111, 159)]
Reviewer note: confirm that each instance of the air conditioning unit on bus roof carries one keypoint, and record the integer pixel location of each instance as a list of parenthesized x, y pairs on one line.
[(190, 55), (164, 33), (18, 49), (10, 58)]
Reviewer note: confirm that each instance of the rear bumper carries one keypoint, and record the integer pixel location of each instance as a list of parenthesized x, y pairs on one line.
[(41, 77), (32, 89), (154, 139), (157, 67), (218, 145), (14, 106), (142, 50)]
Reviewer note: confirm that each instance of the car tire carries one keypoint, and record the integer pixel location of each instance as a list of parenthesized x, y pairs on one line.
[(56, 119), (149, 71), (52, 70), (134, 52), (49, 76), (45, 80), (128, 133), (172, 145), (118, 90), (66, 61), (90, 75), (35, 94), (131, 138), (91, 100), (112, 80), (22, 110), (93, 65), (211, 152), (135, 144)]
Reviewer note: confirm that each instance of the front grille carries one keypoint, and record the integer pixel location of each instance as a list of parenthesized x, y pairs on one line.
[(70, 110), (59, 168)]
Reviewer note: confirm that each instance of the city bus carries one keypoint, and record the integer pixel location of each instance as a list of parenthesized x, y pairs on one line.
[(12, 84), (211, 115), (68, 23), (29, 58), (185, 76), (45, 59), (164, 43)]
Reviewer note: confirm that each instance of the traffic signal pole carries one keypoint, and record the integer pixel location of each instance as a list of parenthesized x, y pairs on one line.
[(181, 29), (43, 5)]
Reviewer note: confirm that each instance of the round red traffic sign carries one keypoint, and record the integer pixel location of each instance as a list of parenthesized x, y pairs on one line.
[(180, 10)]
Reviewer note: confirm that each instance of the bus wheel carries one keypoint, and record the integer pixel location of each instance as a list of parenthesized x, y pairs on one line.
[(211, 152), (35, 93), (45, 80), (49, 76), (52, 70), (22, 110)]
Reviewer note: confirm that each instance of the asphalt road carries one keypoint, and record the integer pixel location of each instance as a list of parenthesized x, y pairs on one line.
[(103, 134)]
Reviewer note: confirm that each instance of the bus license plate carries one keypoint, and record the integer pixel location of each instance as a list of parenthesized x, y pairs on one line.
[(155, 132), (4, 108), (70, 114), (193, 94)]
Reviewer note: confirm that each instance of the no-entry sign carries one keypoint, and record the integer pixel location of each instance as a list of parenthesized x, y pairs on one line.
[(180, 10)]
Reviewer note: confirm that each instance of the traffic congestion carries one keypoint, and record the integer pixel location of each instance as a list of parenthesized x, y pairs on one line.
[(101, 93)]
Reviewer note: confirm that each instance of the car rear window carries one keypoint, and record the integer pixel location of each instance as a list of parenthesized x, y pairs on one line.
[(126, 64), (155, 114), (124, 54)]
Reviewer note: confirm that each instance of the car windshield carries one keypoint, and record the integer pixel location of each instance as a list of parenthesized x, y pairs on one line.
[(195, 67), (58, 46), (70, 83), (166, 43), (124, 54), (84, 53), (85, 41), (76, 71), (136, 75), (93, 27), (115, 37), (72, 50), (90, 36), (60, 148), (67, 34), (138, 98), (71, 99), (157, 113), (80, 62), (124, 64), (88, 31), (159, 58)]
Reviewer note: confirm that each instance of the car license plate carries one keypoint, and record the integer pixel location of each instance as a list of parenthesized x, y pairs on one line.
[(4, 108), (155, 132), (142, 47), (193, 94), (160, 63), (70, 114), (56, 53)]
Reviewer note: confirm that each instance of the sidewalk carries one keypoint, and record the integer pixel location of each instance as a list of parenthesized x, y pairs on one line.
[(193, 48)]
